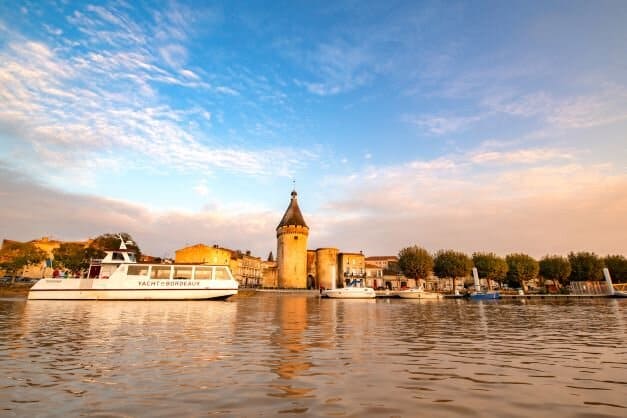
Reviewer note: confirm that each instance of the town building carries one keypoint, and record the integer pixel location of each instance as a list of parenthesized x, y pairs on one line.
[(246, 269), (48, 245)]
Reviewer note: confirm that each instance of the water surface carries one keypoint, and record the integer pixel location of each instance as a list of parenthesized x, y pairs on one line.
[(270, 355)]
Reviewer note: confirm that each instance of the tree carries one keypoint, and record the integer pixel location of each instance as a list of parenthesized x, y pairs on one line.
[(585, 266), (556, 268), (451, 264), (392, 269), (522, 268), (270, 256), (490, 266), (76, 257), (415, 262), (15, 256), (617, 265), (110, 242)]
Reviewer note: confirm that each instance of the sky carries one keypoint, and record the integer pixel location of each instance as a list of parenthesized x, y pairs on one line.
[(474, 126)]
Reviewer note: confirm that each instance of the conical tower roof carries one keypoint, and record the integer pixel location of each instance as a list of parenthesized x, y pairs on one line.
[(293, 216)]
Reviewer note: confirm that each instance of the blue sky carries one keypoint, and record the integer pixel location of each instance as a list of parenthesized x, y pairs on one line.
[(495, 126)]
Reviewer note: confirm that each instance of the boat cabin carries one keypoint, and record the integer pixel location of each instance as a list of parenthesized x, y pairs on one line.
[(102, 269)]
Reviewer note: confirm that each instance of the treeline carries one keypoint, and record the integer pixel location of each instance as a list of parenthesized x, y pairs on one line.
[(71, 256), (514, 269)]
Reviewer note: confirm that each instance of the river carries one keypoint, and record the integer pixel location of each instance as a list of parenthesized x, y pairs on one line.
[(271, 354)]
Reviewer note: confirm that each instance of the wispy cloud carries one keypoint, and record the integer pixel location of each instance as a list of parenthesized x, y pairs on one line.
[(534, 200), (73, 105), (441, 125), (92, 215)]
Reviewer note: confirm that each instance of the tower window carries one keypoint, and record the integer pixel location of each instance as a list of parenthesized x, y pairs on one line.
[(295, 236)]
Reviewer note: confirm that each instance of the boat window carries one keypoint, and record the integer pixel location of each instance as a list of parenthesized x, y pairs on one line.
[(137, 270), (203, 273), (131, 256), (118, 256), (160, 272), (182, 273), (221, 273)]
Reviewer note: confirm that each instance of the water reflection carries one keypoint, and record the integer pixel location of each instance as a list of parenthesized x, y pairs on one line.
[(290, 354)]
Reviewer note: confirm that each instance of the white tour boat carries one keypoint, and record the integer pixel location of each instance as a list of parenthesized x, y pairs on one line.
[(418, 293), (354, 290), (118, 276)]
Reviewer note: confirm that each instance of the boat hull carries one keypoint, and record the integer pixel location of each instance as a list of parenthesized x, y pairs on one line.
[(618, 294), (485, 296), (129, 289), (408, 294), (351, 293), (126, 294)]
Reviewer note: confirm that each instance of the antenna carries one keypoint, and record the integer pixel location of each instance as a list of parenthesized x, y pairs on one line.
[(123, 244)]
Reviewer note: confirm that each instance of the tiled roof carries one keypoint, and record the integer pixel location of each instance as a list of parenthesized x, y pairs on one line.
[(293, 216), (382, 258), (372, 266)]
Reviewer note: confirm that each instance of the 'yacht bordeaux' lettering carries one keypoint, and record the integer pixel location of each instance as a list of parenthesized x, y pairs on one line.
[(168, 283)]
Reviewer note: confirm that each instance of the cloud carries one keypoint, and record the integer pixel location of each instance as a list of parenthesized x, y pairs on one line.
[(537, 201), (520, 156), (339, 67), (174, 55), (598, 109), (68, 109), (441, 125), (48, 211)]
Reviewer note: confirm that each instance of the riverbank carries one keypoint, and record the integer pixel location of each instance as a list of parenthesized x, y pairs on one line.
[(14, 290)]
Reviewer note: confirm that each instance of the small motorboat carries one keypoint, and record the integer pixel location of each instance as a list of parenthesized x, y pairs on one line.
[(418, 293), (355, 290)]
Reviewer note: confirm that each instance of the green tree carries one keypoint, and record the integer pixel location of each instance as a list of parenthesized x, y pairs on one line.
[(76, 257), (392, 269), (585, 266), (15, 256), (415, 262), (556, 268), (617, 265), (110, 242), (490, 266), (451, 264), (522, 268)]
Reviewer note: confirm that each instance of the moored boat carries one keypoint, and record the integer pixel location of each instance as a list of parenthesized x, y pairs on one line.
[(479, 294), (353, 291), (613, 293), (485, 295), (118, 276), (418, 293)]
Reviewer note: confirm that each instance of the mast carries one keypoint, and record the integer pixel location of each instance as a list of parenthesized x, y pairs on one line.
[(475, 275)]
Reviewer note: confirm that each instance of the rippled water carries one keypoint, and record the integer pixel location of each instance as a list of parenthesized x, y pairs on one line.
[(269, 355)]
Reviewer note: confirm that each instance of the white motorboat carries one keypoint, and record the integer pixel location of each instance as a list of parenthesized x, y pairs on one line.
[(418, 293), (354, 290), (119, 277)]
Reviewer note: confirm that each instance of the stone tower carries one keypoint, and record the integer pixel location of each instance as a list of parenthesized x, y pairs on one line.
[(291, 235)]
